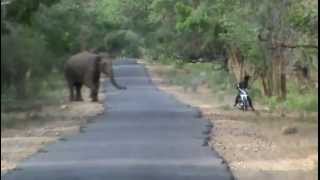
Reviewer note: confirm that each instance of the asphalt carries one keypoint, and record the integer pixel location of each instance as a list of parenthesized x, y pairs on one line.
[(145, 134)]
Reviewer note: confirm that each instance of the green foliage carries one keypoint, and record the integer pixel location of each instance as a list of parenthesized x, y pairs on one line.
[(294, 102), (303, 16), (63, 35), (21, 11), (19, 63), (307, 102), (191, 75), (123, 42), (189, 19), (168, 31)]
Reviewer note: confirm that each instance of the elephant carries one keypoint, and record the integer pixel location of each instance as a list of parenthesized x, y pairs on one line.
[(84, 68)]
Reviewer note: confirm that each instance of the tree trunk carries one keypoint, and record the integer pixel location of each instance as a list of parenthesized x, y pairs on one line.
[(283, 86), (235, 63), (239, 59), (283, 79), (276, 81), (279, 87), (267, 90)]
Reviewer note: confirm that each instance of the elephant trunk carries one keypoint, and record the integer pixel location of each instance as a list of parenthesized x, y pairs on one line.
[(113, 81)]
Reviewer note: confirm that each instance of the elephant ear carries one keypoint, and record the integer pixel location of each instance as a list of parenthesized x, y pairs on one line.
[(98, 58), (105, 67), (97, 61)]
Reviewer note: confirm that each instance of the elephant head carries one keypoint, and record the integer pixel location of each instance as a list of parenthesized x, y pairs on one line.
[(106, 68)]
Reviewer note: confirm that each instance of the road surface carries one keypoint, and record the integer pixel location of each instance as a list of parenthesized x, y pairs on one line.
[(145, 134)]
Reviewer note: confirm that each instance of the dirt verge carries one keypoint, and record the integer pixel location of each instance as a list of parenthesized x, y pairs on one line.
[(36, 128), (263, 145)]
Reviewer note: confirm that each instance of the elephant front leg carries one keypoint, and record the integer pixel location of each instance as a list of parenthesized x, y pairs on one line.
[(78, 88), (94, 93)]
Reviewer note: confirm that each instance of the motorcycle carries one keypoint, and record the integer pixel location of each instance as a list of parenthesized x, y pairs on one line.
[(244, 103)]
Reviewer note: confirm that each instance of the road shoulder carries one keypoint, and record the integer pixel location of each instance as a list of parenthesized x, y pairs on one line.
[(253, 144)]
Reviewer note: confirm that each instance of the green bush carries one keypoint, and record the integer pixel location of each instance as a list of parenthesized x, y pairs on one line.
[(24, 57)]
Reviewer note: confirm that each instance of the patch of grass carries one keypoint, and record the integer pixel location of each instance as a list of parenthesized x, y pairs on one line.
[(162, 59), (220, 96), (295, 101), (192, 75), (307, 102), (48, 91), (225, 107), (8, 121), (21, 119)]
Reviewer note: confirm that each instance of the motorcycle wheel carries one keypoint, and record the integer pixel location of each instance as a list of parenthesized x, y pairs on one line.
[(245, 105)]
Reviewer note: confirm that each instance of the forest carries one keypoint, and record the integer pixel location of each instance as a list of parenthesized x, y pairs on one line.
[(274, 41)]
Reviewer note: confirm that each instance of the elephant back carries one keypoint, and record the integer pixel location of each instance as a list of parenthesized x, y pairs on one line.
[(80, 66)]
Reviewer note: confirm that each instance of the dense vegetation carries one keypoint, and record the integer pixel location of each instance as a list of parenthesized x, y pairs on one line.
[(275, 41)]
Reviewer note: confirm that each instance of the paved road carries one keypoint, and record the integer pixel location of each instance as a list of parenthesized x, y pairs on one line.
[(145, 135)]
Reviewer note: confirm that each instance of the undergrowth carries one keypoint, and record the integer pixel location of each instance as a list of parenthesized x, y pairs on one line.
[(40, 92), (192, 75)]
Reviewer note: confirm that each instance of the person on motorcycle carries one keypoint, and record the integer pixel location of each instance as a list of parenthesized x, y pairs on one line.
[(243, 85)]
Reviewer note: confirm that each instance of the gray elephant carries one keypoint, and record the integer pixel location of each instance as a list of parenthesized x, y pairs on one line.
[(84, 68)]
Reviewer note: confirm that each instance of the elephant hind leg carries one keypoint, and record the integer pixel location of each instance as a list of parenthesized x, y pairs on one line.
[(71, 94), (78, 89)]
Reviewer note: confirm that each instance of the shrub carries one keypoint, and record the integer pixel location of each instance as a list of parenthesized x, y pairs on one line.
[(25, 62)]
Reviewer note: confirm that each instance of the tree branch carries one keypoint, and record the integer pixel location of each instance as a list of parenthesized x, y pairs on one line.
[(279, 44), (292, 46)]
